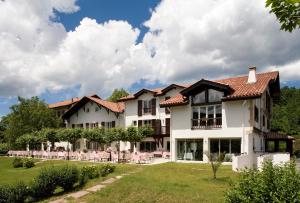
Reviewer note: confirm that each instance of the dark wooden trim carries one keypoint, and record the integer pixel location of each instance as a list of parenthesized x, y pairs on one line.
[(241, 98), (153, 106), (140, 108)]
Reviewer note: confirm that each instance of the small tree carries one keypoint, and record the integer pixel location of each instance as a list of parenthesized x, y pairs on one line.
[(50, 135), (272, 184), (215, 160), (94, 135), (31, 139), (70, 135)]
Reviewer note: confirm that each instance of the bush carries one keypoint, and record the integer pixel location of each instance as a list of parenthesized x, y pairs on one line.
[(88, 172), (45, 183), (107, 169), (272, 184), (28, 163), (13, 193), (3, 148), (67, 176), (17, 162)]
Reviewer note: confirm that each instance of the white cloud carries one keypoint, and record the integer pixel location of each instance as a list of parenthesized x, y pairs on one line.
[(187, 40)]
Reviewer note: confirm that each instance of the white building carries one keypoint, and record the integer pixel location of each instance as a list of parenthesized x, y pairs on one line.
[(222, 116), (142, 109), (91, 112)]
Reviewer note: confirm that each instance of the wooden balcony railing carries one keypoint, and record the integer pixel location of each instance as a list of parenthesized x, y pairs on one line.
[(163, 130), (207, 123)]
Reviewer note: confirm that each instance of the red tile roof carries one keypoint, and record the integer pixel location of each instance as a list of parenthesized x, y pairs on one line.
[(115, 107), (64, 103), (156, 91), (241, 89)]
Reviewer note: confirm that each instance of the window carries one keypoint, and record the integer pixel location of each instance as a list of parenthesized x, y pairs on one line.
[(190, 149), (208, 95), (207, 116), (268, 103), (227, 146), (88, 110), (147, 122), (168, 146), (256, 114), (199, 98), (96, 108), (264, 122), (147, 146), (214, 96), (134, 123), (147, 106)]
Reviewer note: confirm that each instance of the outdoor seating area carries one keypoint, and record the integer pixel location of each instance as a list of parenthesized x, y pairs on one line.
[(95, 156)]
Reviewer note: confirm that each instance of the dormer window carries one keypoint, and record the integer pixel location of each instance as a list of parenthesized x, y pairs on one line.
[(207, 96)]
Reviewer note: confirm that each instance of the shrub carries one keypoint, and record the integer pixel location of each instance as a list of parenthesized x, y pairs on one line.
[(107, 169), (67, 176), (28, 163), (272, 184), (45, 183), (17, 162), (13, 193), (4, 148), (88, 172)]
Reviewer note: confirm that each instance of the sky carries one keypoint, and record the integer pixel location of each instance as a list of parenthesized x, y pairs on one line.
[(58, 49)]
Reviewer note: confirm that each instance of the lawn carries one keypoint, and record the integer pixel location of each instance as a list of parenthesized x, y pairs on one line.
[(9, 175), (171, 182)]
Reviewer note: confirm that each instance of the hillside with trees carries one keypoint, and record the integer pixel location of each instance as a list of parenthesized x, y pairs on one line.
[(286, 112)]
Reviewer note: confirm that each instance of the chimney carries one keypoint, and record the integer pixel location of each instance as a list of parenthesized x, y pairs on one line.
[(252, 75)]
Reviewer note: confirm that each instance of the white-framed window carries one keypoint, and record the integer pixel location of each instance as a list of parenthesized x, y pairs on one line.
[(207, 116)]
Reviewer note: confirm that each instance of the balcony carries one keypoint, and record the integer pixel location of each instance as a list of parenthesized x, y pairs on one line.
[(163, 130), (206, 123)]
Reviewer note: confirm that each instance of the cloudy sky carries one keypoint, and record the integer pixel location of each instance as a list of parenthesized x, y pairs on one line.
[(58, 49)]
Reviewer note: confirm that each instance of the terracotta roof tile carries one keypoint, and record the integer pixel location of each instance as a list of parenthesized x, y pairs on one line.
[(115, 107), (64, 103), (241, 89)]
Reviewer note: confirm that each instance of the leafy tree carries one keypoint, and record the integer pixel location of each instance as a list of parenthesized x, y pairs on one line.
[(287, 12), (27, 116), (117, 94), (70, 135), (95, 135), (49, 134), (286, 112), (3, 126), (32, 139), (272, 184)]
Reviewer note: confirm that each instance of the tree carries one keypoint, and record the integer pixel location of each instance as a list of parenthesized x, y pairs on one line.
[(95, 135), (70, 135), (28, 116), (49, 134), (215, 160), (31, 139), (117, 94), (286, 112), (287, 12)]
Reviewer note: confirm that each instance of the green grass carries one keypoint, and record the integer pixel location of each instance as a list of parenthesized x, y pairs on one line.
[(171, 182), (9, 175)]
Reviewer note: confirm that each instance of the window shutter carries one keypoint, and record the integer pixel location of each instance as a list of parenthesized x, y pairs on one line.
[(168, 126), (140, 123), (153, 106), (140, 106), (113, 124), (153, 122), (167, 110)]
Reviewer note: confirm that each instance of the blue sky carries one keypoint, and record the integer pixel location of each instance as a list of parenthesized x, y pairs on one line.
[(55, 49)]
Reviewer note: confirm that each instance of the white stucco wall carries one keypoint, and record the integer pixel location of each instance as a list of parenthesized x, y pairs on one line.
[(235, 124), (102, 115)]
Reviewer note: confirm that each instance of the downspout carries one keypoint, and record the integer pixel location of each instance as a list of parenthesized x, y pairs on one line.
[(243, 106)]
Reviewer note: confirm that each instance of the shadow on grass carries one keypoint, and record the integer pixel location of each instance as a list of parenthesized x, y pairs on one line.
[(220, 180)]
